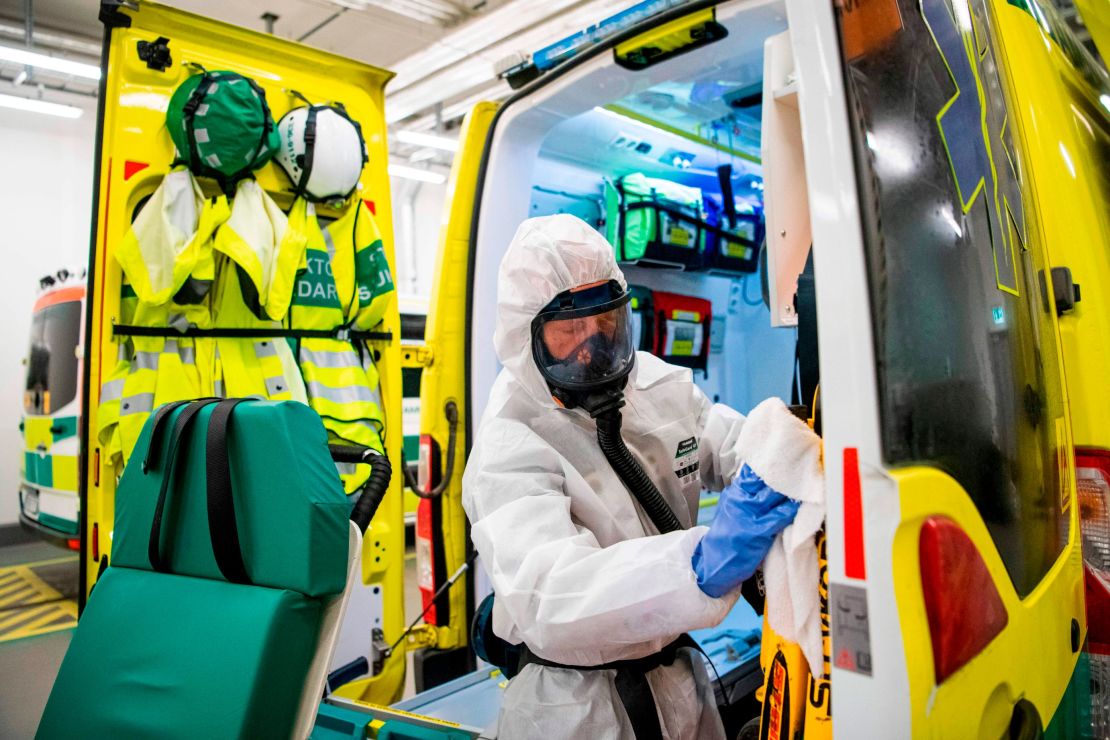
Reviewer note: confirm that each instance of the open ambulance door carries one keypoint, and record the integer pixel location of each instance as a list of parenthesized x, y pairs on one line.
[(955, 569), (442, 532), (149, 50)]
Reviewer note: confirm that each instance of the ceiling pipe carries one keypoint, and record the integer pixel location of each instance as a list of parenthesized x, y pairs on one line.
[(53, 41), (323, 23)]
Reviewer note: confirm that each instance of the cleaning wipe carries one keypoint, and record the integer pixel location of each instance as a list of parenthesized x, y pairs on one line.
[(785, 452)]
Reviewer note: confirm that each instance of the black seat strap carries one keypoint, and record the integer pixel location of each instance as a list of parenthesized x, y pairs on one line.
[(154, 446), (222, 526), (154, 545)]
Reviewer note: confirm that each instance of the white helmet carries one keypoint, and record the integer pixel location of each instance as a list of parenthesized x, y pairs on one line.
[(321, 151)]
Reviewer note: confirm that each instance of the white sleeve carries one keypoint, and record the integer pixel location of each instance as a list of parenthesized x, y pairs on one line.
[(571, 600), (718, 441)]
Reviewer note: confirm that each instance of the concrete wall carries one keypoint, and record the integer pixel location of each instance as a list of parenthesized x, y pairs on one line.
[(45, 201)]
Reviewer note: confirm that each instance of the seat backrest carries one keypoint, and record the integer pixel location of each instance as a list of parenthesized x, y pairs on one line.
[(289, 505), (175, 642)]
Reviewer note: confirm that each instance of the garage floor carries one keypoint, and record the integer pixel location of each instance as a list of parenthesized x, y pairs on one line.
[(38, 609), (38, 587)]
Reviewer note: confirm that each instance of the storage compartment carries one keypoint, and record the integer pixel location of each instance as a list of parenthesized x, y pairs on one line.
[(655, 222), (682, 329), (732, 248)]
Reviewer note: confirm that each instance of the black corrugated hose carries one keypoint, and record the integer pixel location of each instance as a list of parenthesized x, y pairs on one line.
[(381, 472), (631, 474)]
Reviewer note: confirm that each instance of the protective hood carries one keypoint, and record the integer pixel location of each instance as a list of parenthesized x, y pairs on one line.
[(548, 255), (258, 238)]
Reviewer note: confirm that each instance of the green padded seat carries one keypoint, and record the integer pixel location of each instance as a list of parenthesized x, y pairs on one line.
[(162, 656), (170, 647)]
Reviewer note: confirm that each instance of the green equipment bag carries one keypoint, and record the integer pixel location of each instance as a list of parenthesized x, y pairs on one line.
[(221, 126), (655, 221), (230, 534)]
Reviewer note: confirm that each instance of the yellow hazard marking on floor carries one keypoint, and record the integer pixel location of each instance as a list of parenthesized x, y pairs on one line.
[(29, 606)]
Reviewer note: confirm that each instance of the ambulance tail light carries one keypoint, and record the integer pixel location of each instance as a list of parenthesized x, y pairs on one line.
[(962, 603), (425, 561), (1092, 474), (427, 577)]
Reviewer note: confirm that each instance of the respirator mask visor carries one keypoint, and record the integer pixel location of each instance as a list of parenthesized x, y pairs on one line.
[(582, 341)]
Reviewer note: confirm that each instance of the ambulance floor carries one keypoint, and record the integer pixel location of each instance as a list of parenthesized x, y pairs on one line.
[(38, 586)]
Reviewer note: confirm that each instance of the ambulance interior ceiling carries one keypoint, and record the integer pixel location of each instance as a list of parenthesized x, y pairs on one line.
[(553, 151)]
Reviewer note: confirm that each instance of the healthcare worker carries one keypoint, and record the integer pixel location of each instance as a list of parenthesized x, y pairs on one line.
[(587, 530)]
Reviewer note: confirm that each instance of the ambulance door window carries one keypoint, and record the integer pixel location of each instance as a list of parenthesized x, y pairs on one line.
[(965, 343), (52, 360)]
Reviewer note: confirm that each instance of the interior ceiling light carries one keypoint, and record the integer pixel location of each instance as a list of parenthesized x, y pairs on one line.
[(414, 173), (43, 61), (40, 106), (417, 138)]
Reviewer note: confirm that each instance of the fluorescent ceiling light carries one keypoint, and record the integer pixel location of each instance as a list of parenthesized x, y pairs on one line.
[(419, 85), (413, 173), (39, 106), (57, 64), (417, 138)]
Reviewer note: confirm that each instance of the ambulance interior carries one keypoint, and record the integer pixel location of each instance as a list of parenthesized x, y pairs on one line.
[(719, 117), (571, 145)]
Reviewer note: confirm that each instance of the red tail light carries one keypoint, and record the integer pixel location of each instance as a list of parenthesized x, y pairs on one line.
[(1092, 474), (96, 543), (961, 601), (425, 560), (1092, 477), (427, 577), (73, 543)]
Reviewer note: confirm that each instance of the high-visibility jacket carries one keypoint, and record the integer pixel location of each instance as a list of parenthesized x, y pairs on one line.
[(246, 247), (168, 263), (260, 254), (111, 387), (345, 282)]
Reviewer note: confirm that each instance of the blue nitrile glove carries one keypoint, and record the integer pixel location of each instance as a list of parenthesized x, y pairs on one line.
[(749, 515)]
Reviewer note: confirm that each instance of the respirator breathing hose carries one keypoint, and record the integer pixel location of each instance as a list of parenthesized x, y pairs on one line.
[(631, 473)]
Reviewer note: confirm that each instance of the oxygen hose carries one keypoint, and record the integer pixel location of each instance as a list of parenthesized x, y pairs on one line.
[(376, 485), (631, 474)]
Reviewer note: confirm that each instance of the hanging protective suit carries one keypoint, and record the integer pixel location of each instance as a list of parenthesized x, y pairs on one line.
[(261, 254), (345, 283), (168, 266), (564, 543)]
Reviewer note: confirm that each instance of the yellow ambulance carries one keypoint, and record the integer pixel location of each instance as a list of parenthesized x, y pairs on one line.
[(48, 502), (929, 244)]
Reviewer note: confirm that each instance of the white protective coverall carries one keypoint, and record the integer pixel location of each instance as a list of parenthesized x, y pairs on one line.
[(579, 571)]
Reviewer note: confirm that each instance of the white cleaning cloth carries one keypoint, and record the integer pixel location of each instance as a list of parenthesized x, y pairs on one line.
[(786, 454)]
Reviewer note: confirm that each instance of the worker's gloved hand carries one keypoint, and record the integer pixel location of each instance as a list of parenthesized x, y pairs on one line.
[(749, 515)]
